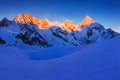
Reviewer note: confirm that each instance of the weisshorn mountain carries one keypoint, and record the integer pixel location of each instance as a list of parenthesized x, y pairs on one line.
[(26, 30)]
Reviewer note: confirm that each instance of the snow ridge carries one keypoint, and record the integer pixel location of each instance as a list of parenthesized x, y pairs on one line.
[(26, 30)]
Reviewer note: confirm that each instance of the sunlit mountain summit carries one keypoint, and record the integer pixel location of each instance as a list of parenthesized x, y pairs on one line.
[(86, 21), (68, 25), (27, 30)]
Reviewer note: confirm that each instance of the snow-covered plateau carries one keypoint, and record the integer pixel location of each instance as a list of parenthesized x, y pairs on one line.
[(98, 61)]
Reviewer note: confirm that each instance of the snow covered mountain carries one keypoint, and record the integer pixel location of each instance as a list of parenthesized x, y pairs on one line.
[(86, 21), (27, 30)]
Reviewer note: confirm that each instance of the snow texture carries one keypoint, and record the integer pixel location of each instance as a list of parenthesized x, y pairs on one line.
[(22, 35), (98, 61)]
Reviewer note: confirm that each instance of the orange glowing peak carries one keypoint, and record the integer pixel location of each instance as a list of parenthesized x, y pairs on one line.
[(23, 18), (68, 25), (86, 21), (28, 18), (44, 23)]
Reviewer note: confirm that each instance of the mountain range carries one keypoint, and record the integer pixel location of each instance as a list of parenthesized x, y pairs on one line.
[(27, 30)]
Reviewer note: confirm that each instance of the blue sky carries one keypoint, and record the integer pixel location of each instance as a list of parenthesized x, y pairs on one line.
[(106, 12)]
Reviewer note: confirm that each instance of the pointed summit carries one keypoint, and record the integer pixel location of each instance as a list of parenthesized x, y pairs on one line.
[(29, 19), (68, 25), (87, 21), (5, 22), (24, 18), (68, 22), (87, 16)]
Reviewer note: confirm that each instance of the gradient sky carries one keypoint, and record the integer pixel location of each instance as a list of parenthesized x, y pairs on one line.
[(106, 12)]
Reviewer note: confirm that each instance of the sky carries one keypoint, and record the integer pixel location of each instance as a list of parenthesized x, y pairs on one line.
[(106, 12)]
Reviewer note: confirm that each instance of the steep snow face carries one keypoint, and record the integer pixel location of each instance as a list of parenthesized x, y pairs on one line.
[(8, 33), (24, 18), (24, 31), (99, 61), (21, 35), (69, 26), (45, 24), (86, 21), (29, 19)]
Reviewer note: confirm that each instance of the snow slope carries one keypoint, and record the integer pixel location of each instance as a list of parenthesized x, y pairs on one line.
[(98, 61), (26, 30)]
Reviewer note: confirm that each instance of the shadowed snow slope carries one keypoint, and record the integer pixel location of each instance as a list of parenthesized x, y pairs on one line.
[(99, 61), (26, 30)]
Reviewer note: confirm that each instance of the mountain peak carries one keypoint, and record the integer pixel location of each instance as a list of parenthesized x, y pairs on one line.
[(68, 20), (87, 16), (4, 22), (44, 23), (68, 26), (86, 21), (23, 18), (45, 20)]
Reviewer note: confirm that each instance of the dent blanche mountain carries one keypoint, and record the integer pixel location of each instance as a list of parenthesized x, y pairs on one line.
[(27, 30)]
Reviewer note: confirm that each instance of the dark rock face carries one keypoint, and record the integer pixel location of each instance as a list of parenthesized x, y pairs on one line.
[(4, 22), (2, 41), (31, 36), (104, 33), (59, 33), (113, 33), (33, 40)]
